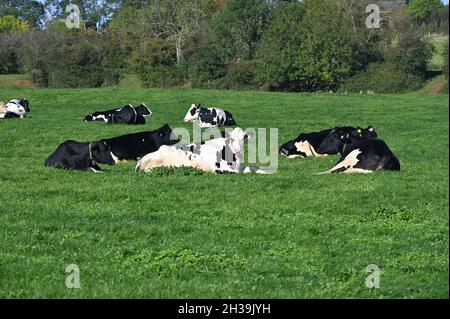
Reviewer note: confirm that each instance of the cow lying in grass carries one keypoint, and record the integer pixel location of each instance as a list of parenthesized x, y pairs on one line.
[(125, 115), (136, 145), (306, 144), (220, 155), (86, 155), (14, 109), (209, 117), (359, 154), (81, 156)]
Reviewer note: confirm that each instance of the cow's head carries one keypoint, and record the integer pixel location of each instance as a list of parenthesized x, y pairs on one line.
[(230, 120), (101, 153), (236, 140), (143, 110), (192, 113), (368, 132), (165, 136), (290, 149), (335, 140), (89, 118), (26, 104)]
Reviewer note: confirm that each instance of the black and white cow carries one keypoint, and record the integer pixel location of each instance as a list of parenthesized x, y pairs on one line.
[(15, 109), (125, 115), (209, 117), (220, 155), (80, 156), (358, 154), (134, 146), (306, 144)]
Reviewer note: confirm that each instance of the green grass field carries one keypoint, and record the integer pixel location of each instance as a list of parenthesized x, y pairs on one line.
[(178, 233)]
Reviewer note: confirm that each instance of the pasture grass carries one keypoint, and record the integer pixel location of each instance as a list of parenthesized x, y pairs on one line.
[(15, 81), (179, 233)]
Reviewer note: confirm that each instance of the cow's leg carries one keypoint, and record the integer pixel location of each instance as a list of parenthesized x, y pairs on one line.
[(251, 169), (149, 162), (95, 168), (224, 168), (348, 162)]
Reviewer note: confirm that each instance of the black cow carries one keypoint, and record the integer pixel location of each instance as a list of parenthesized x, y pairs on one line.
[(81, 156), (358, 154), (125, 115), (306, 144), (135, 146)]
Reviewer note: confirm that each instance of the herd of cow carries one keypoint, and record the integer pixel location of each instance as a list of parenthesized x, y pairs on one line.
[(360, 149)]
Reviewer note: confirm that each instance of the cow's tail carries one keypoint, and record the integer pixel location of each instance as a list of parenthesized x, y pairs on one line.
[(323, 173)]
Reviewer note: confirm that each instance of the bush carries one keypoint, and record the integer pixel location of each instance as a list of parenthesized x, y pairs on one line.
[(239, 76), (78, 59), (276, 56), (204, 67), (9, 55), (411, 55), (445, 69), (155, 64), (382, 78)]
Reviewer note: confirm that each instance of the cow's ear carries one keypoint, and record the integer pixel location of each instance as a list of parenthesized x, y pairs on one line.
[(249, 134)]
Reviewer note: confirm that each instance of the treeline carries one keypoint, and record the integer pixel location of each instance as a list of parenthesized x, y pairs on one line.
[(226, 44)]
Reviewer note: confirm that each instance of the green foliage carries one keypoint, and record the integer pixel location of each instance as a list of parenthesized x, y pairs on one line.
[(382, 78), (238, 27), (31, 11), (240, 75), (204, 67), (277, 53), (271, 45), (422, 8), (410, 55), (9, 25), (9, 54), (325, 55), (308, 47), (76, 59), (155, 63), (445, 68)]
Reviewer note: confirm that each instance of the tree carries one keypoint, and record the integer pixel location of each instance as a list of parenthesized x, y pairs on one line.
[(25, 10), (325, 56), (276, 55), (422, 8), (9, 25), (239, 26), (445, 69), (175, 21)]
